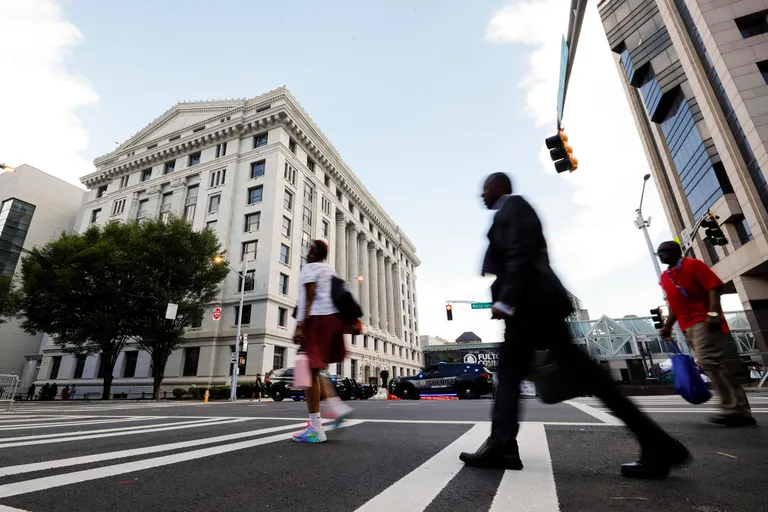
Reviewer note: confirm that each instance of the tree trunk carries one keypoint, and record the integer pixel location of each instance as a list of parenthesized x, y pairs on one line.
[(159, 360), (108, 369)]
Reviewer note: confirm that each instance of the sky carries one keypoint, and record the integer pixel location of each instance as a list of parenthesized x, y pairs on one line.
[(422, 98)]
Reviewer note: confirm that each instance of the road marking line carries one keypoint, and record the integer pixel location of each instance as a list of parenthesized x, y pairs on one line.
[(417, 489), (4, 508), (85, 435), (89, 459), (74, 423), (595, 413), (698, 410), (50, 482), (533, 488)]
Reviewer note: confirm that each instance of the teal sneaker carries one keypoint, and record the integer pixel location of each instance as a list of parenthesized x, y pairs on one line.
[(310, 435)]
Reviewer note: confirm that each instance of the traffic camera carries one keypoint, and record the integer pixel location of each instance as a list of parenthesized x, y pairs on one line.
[(713, 234), (561, 153), (658, 318), (449, 311)]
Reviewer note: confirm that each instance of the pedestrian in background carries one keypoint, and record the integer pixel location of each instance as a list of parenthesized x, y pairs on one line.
[(534, 305), (693, 294), (320, 333), (259, 387), (73, 392), (31, 392)]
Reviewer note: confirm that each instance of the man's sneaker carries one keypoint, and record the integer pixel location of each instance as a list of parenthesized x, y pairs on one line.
[(337, 412), (310, 435), (734, 420)]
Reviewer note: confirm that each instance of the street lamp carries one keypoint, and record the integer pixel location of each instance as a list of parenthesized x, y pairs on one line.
[(219, 260), (360, 280)]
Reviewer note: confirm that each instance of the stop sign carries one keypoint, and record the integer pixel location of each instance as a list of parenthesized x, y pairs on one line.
[(216, 313)]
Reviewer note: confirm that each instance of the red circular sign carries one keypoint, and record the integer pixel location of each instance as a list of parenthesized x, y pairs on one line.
[(216, 313)]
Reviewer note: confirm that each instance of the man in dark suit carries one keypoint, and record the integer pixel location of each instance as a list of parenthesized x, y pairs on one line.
[(534, 305)]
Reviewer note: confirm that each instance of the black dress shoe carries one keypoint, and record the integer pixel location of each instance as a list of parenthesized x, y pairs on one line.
[(656, 460), (734, 420), (487, 458)]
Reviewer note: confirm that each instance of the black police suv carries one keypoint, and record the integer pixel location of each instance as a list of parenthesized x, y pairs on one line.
[(445, 379), (279, 385)]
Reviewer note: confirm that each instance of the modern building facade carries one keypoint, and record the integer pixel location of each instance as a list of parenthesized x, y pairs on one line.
[(695, 73), (36, 208), (262, 175)]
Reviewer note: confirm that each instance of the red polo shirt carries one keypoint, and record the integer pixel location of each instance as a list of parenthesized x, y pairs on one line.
[(687, 286)]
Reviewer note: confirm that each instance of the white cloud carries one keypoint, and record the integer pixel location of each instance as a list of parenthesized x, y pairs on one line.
[(40, 95), (599, 239)]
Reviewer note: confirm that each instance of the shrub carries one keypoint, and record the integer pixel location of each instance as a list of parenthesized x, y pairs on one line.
[(179, 392)]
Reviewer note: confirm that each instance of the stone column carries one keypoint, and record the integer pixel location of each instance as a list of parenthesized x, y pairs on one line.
[(341, 246), (390, 296), (373, 273), (382, 292), (352, 272), (398, 301), (365, 292)]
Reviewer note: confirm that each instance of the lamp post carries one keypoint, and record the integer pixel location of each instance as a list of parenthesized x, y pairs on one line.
[(643, 224), (235, 366)]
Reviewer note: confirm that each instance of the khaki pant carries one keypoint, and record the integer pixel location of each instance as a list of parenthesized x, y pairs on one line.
[(710, 348)]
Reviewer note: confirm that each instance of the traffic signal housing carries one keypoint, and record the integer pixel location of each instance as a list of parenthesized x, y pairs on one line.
[(561, 153), (713, 234), (658, 318), (449, 312)]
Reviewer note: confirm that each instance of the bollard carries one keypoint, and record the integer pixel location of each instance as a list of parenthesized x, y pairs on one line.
[(206, 396)]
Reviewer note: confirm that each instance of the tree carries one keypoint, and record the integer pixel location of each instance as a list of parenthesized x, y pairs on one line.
[(73, 289), (173, 265), (7, 302)]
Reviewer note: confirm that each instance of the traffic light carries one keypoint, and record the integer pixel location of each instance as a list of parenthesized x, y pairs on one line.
[(713, 234), (658, 318), (561, 153), (245, 342), (449, 311)]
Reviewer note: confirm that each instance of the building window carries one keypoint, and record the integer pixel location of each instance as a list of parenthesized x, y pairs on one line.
[(282, 317), (753, 24), (257, 169), (191, 205), (250, 281), (55, 365), (252, 222), (763, 67), (327, 180), (307, 213), (129, 369), (217, 178), (310, 164), (283, 284), (79, 366), (375, 345), (101, 191), (278, 360), (142, 210), (290, 174), (302, 262), (171, 166), (362, 219), (353, 368), (124, 182), (118, 207), (365, 341), (246, 317), (742, 229), (194, 159), (249, 251), (286, 227), (95, 215), (191, 359), (260, 140), (221, 149), (211, 224), (326, 229), (255, 194), (285, 254), (288, 200), (306, 239), (146, 175), (197, 320), (165, 207), (213, 203), (339, 196), (292, 146), (326, 205)]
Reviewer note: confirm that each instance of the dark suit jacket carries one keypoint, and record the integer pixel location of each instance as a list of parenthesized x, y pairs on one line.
[(518, 255)]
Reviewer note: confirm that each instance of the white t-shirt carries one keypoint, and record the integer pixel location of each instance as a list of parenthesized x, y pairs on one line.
[(321, 274)]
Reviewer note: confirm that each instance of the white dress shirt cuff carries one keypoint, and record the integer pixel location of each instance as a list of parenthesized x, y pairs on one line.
[(508, 310)]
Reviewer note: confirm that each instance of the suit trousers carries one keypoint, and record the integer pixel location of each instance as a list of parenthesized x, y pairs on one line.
[(526, 332)]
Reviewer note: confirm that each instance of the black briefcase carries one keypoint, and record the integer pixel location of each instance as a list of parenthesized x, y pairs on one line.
[(554, 384)]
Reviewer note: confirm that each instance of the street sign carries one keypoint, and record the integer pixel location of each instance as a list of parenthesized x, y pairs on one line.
[(482, 305), (561, 87), (170, 312), (217, 314), (234, 357)]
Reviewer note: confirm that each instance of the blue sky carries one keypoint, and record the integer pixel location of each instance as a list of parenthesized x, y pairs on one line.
[(422, 98)]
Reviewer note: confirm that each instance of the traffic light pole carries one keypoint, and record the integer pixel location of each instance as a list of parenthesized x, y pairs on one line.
[(235, 363)]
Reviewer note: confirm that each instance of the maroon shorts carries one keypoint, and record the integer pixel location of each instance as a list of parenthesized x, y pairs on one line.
[(324, 340)]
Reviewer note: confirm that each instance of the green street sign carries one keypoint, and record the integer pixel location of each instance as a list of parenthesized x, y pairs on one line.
[(482, 305)]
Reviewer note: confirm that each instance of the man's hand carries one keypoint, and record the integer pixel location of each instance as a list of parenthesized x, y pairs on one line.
[(666, 331), (498, 314), (713, 323)]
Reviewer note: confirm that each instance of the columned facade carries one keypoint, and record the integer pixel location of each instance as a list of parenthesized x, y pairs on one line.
[(341, 246), (364, 285), (373, 273)]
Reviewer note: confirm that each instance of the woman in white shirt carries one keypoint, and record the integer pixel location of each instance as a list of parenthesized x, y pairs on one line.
[(320, 332)]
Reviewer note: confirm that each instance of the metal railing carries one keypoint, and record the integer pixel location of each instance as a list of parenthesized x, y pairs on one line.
[(8, 386)]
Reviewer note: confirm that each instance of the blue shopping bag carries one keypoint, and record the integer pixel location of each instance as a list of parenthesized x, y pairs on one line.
[(688, 381)]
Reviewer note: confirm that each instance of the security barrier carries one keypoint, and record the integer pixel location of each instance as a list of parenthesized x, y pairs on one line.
[(8, 386)]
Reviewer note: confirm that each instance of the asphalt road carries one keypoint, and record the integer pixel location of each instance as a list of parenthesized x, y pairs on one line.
[(393, 456)]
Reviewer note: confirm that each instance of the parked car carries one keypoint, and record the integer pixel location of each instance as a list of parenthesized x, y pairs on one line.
[(446, 379), (279, 385)]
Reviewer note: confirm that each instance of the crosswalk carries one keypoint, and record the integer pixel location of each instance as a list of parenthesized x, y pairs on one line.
[(673, 404)]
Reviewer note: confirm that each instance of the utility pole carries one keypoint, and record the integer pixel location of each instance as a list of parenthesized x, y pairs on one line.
[(235, 364)]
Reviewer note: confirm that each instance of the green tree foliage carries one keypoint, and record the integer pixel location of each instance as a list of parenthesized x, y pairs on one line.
[(174, 265), (7, 302)]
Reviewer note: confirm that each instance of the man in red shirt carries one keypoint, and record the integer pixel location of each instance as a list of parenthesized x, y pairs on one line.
[(693, 294)]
